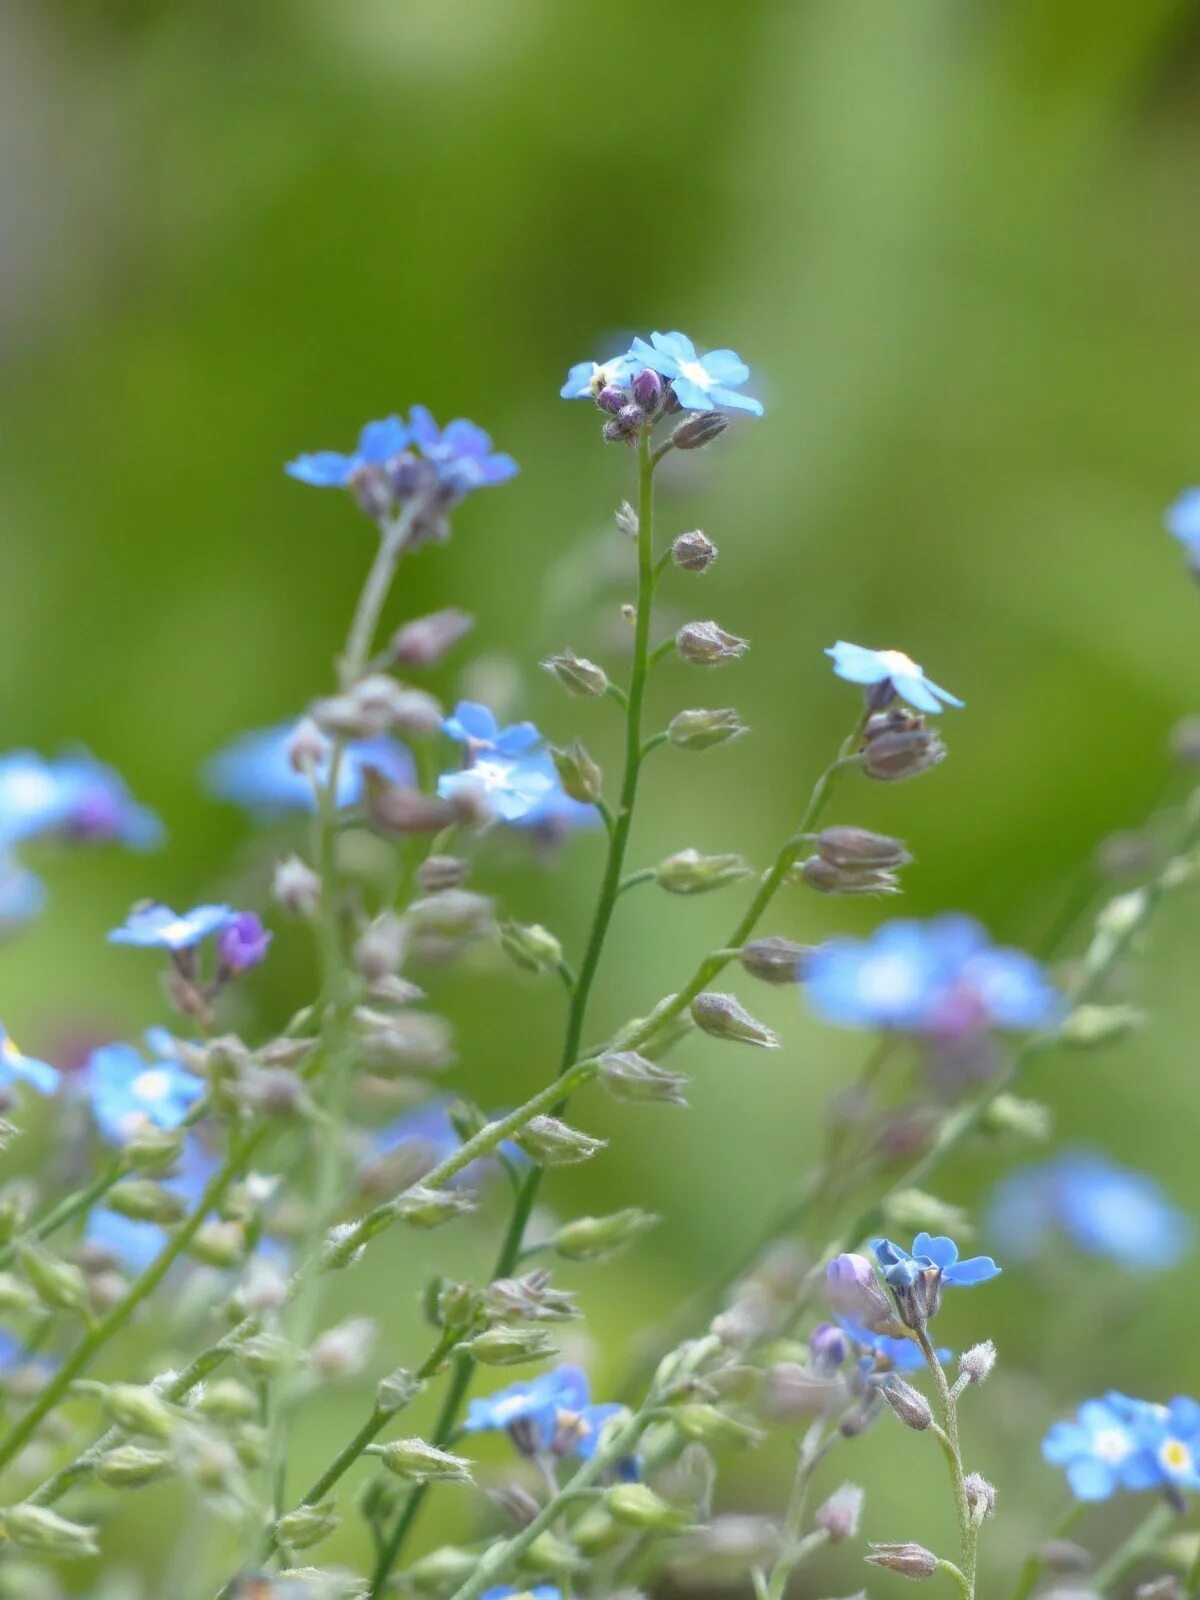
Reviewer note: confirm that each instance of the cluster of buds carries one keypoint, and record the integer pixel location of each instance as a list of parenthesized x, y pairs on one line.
[(375, 705), (854, 861), (898, 744)]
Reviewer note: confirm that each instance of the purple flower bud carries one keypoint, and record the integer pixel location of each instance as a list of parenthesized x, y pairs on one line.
[(699, 429), (909, 1560), (611, 398), (854, 1291), (828, 1346), (648, 389), (243, 943)]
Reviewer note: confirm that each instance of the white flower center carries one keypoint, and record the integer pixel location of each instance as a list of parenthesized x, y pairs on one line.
[(492, 775), (695, 372), (29, 788), (887, 980), (153, 1084), (1111, 1445), (181, 928), (897, 662)]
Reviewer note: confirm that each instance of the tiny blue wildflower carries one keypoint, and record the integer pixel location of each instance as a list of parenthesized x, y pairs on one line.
[(157, 927), (879, 1352), (1100, 1207), (100, 807), (1168, 1443), (476, 727), (511, 790), (1103, 1450), (892, 668), (540, 1591), (462, 453), (511, 769), (1183, 520), (378, 443), (933, 1252), (255, 771), (32, 800), (127, 1091), (529, 1411), (701, 383), (242, 943), (15, 1067), (941, 978), (586, 379)]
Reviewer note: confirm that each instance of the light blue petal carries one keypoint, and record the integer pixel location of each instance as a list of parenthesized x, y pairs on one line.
[(1065, 1442), (1091, 1479), (732, 401), (324, 470), (691, 396), (380, 441), (470, 720), (855, 664), (944, 694), (978, 1269), (675, 345), (915, 691), (726, 367), (943, 1252)]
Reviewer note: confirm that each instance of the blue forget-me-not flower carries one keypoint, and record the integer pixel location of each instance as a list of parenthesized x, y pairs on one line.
[(127, 1091), (378, 443), (256, 771), (16, 1067), (1121, 1443), (701, 383), (897, 673), (157, 927)]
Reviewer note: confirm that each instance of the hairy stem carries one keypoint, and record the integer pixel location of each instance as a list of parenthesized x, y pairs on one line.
[(947, 1406)]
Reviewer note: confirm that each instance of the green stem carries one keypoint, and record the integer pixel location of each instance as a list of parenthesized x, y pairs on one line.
[(1139, 1543), (968, 1532), (794, 1549), (139, 1291), (67, 1209), (610, 888)]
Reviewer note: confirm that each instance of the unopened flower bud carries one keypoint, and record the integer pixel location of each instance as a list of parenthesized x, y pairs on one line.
[(707, 1424), (699, 429), (425, 640), (151, 1149), (219, 1244), (579, 775), (452, 914), (397, 809), (381, 947), (58, 1284), (15, 1295), (577, 675), (529, 1299), (629, 1076), (128, 1466), (1027, 1119), (706, 644), (648, 388), (307, 748), (423, 1207), (981, 1497), (702, 728), (306, 1525), (439, 873), (38, 1529), (1089, 1025), (610, 398), (456, 1305), (722, 1016), (296, 887), (228, 1401), (530, 946), (443, 1570), (854, 1291), (909, 1404), (551, 1142), (823, 876), (688, 872), (860, 848), (510, 1345), (725, 1550), (840, 1514), (635, 1505), (775, 960), (898, 747), (590, 1238), (828, 1347), (139, 1409), (420, 1462), (693, 552), (342, 1351), (976, 1363), (371, 489), (1166, 1587), (143, 1200), (909, 1560)]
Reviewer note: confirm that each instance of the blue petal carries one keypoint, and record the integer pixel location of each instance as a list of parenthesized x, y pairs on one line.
[(380, 441), (1091, 1479), (470, 720), (325, 470), (677, 346), (914, 690), (734, 401), (856, 664), (1065, 1442), (943, 1252), (944, 694), (978, 1269), (691, 396), (726, 367), (1183, 517)]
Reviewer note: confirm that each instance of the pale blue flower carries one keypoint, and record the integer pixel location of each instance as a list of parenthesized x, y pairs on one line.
[(1183, 520), (127, 1092), (879, 1352), (1100, 1207), (255, 771), (530, 1408), (511, 790), (16, 1067), (378, 443), (701, 383), (157, 927), (32, 799), (473, 725), (1104, 1449), (586, 378), (931, 1253), (856, 664), (461, 452)]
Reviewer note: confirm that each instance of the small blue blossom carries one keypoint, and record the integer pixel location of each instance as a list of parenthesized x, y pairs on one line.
[(156, 927), (127, 1091), (856, 664), (940, 978), (1108, 1447), (1100, 1207), (100, 807), (378, 443), (32, 800), (530, 1410), (255, 772), (1183, 520), (540, 1591), (587, 378), (511, 770), (932, 1253), (476, 727), (461, 452), (511, 790), (15, 1067), (1168, 1443), (701, 383), (880, 1352)]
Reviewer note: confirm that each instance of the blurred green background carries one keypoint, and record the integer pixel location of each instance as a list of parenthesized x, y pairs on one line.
[(957, 242)]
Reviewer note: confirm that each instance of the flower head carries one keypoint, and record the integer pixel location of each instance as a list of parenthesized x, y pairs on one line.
[(378, 444), (552, 1414), (1183, 520), (880, 1352), (256, 771), (1100, 1207), (127, 1091), (701, 383), (16, 1067), (917, 1278), (587, 379), (242, 943), (1111, 1445), (893, 672), (940, 978), (100, 806), (461, 453), (157, 927), (509, 768), (474, 726)]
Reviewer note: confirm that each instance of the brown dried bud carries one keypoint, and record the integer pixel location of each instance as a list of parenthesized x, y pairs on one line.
[(425, 640), (706, 644), (701, 428), (909, 1560), (693, 552), (438, 873), (775, 960), (898, 746), (857, 848), (723, 1017), (395, 809), (839, 1516), (909, 1404)]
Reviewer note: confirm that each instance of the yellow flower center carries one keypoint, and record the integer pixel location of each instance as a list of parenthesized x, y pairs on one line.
[(898, 663), (1176, 1456)]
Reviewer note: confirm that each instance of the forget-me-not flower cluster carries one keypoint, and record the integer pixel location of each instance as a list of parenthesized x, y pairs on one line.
[(698, 382), (1121, 1443)]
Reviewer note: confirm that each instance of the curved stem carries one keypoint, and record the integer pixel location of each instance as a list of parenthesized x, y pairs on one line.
[(968, 1532), (67, 1209), (1139, 1543)]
